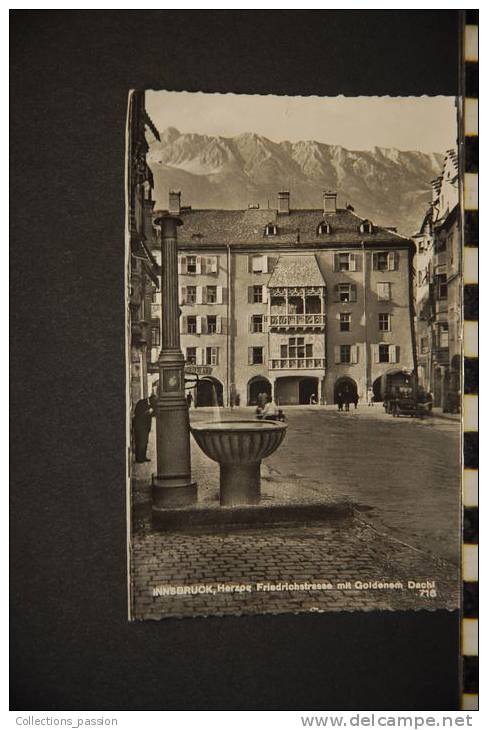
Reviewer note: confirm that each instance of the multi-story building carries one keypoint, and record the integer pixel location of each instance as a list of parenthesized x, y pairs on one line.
[(293, 303), (143, 272), (439, 290)]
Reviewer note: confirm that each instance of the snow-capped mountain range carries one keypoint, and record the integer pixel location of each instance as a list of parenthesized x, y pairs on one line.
[(389, 186)]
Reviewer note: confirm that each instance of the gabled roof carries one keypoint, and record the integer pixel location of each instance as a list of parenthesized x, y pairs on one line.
[(204, 228), (300, 270)]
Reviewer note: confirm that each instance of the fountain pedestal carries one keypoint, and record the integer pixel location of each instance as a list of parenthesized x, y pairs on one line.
[(239, 447), (240, 484)]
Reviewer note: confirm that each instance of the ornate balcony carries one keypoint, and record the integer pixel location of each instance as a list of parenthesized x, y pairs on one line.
[(297, 321), (294, 363)]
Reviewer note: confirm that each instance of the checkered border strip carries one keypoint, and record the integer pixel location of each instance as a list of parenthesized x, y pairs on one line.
[(470, 234)]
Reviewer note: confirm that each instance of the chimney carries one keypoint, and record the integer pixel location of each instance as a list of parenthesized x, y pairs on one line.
[(330, 201), (284, 202), (174, 202)]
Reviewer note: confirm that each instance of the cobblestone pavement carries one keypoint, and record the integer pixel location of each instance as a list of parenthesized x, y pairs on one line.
[(402, 474)]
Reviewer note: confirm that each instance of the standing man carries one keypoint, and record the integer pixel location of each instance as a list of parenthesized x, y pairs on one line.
[(370, 395), (340, 400), (141, 425)]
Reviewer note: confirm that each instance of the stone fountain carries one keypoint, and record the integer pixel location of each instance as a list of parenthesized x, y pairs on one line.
[(239, 447)]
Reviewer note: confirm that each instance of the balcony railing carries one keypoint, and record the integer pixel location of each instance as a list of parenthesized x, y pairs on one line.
[(288, 321), (294, 363)]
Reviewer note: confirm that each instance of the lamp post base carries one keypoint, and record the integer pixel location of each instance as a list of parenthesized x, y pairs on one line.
[(240, 484), (173, 492)]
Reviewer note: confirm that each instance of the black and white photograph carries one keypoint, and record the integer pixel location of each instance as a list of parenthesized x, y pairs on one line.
[(294, 354)]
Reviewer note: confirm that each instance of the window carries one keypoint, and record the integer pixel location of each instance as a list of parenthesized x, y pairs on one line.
[(323, 228), (191, 355), (257, 294), (271, 230), (345, 292), (383, 289), (384, 322), (211, 294), (443, 334), (256, 356), (345, 321), (191, 294), (297, 349), (258, 264), (211, 355), (345, 353), (384, 353), (366, 227), (155, 333), (257, 323), (381, 261), (191, 324), (191, 264), (441, 286), (343, 261), (211, 325)]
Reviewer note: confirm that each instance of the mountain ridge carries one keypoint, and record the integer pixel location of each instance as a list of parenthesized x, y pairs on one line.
[(390, 186)]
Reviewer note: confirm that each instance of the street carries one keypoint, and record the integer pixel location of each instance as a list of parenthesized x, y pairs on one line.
[(402, 476)]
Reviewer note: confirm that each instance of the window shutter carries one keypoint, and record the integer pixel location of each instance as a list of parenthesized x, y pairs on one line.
[(392, 353), (336, 262), (265, 294), (336, 292), (376, 353), (352, 262), (354, 354), (199, 325), (199, 295), (354, 294), (338, 316), (391, 261), (214, 264), (215, 355), (249, 356), (250, 322), (182, 265), (250, 294), (249, 264), (358, 258), (375, 262), (182, 294), (200, 355), (265, 264), (199, 265), (218, 325), (220, 295), (204, 294), (337, 355), (183, 325)]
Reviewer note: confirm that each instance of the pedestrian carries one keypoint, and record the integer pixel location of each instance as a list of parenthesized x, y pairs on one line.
[(141, 426), (189, 399), (355, 399), (347, 400), (313, 400), (270, 411), (370, 396), (339, 400)]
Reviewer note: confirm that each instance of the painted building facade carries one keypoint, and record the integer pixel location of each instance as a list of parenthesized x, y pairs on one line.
[(298, 304), (438, 265)]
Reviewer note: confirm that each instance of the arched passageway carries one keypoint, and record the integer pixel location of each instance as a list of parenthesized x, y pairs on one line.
[(209, 392), (255, 387)]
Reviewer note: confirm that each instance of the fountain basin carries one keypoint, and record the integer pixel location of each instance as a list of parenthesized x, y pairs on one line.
[(239, 447)]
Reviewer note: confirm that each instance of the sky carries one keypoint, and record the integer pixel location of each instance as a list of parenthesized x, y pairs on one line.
[(426, 124)]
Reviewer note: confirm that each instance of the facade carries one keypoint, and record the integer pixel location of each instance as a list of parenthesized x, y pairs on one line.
[(439, 290), (297, 304), (144, 271)]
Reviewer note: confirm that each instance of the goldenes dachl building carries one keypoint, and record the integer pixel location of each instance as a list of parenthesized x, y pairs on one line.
[(294, 303)]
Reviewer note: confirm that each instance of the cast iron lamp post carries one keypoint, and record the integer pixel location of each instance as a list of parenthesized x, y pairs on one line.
[(172, 486)]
